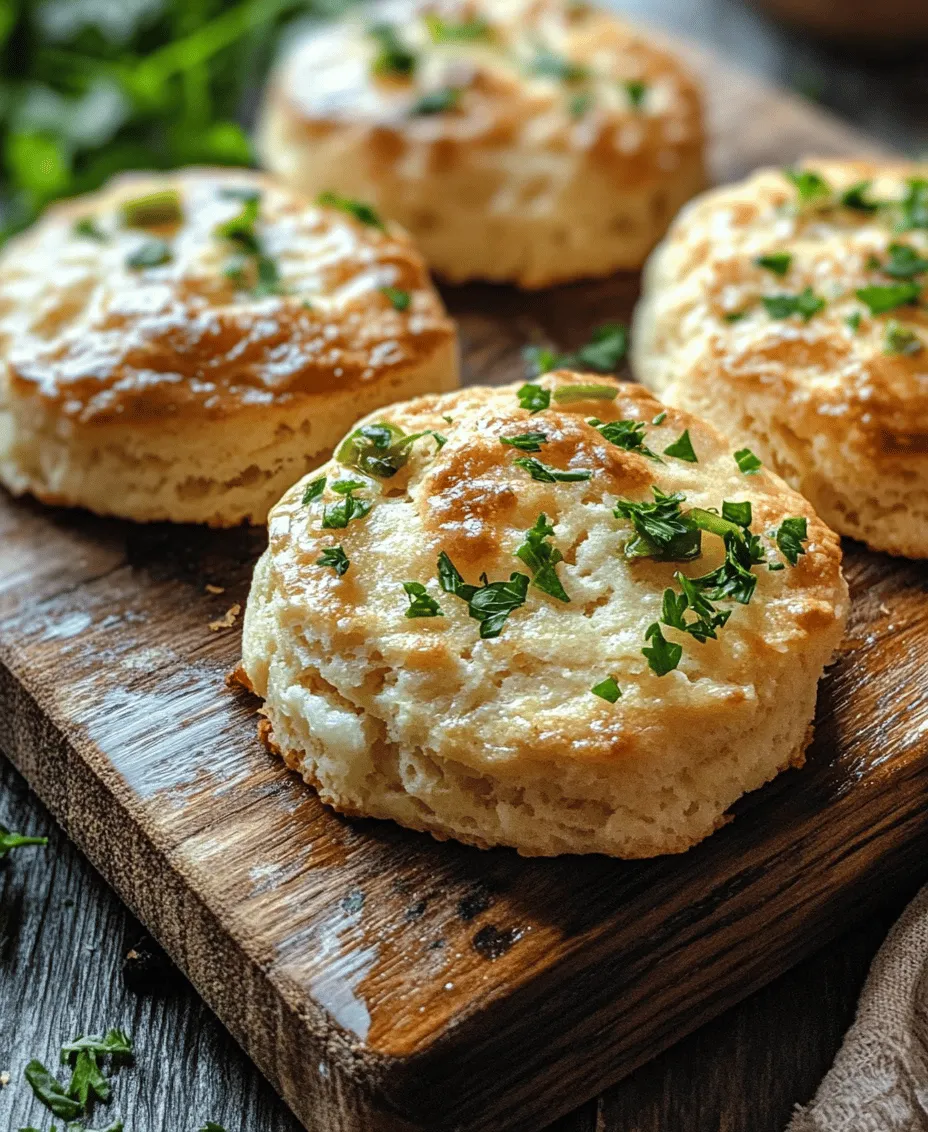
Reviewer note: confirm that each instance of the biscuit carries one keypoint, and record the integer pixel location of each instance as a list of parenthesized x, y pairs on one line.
[(462, 647), (525, 141), (786, 310), (185, 346)]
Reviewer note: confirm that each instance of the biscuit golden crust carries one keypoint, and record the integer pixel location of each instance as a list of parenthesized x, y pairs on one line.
[(524, 140), (789, 312), (498, 739), (209, 325)]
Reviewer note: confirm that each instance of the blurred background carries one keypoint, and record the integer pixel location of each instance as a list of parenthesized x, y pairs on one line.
[(90, 87)]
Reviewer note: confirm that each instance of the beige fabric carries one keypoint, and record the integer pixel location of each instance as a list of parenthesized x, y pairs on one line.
[(879, 1081)]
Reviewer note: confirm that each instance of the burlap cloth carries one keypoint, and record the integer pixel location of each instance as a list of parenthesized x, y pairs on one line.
[(879, 1081)]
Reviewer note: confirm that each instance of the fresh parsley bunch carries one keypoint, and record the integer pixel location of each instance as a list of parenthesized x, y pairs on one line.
[(90, 88)]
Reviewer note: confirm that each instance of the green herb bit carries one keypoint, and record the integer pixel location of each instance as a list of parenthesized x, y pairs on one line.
[(606, 348), (542, 558), (682, 448), (465, 31), (534, 397), (313, 491), (393, 56), (905, 262), (544, 473), (856, 198), (365, 213), (153, 253), (337, 516), (662, 531), (380, 449), (51, 1092), (607, 690), (792, 533), (549, 65), (88, 229), (115, 1043), (883, 299), (734, 316), (490, 603), (437, 101), (540, 360), (399, 299), (853, 322), (579, 105), (901, 340), (10, 841), (734, 578), (626, 434), (568, 394), (335, 557), (663, 656), (707, 619), (806, 304), (777, 262), (240, 192), (525, 441), (747, 462), (87, 1082), (738, 513), (810, 186), (713, 522), (914, 206), (241, 229), (212, 1126), (421, 604), (153, 209), (659, 419), (637, 92)]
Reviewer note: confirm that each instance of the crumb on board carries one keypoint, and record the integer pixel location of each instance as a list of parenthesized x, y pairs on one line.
[(211, 589), (4, 1079), (884, 609), (227, 620)]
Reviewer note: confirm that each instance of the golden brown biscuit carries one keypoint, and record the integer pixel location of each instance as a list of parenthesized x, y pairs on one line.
[(184, 346), (789, 310), (531, 141), (487, 643)]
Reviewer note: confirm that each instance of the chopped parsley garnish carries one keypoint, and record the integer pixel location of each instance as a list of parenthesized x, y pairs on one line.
[(337, 516), (682, 448), (626, 434), (579, 105), (636, 91), (810, 186), (250, 269), (153, 209), (335, 557), (777, 262), (806, 304), (566, 394), (153, 253), (437, 101), (662, 531), (546, 474), (747, 462), (734, 316), (10, 840), (380, 449), (241, 229), (365, 213), (707, 619), (607, 346), (904, 262), (542, 558), (914, 206), (853, 321), (660, 418), (51, 1092), (212, 1126), (87, 1080), (791, 534), (526, 441), (607, 690), (901, 340), (534, 397), (540, 360), (88, 228), (734, 578), (663, 656), (114, 1042), (313, 491), (446, 31), (883, 299), (393, 56), (421, 604), (856, 198), (399, 299), (548, 64), (738, 513), (490, 603)]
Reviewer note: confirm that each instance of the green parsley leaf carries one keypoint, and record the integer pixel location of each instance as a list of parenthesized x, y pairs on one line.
[(660, 418), (806, 304), (777, 262), (10, 840), (337, 516), (87, 1081), (399, 299), (549, 65), (490, 603), (362, 212), (313, 490), (901, 340), (421, 604), (526, 441), (914, 207), (444, 31), (50, 1091), (153, 209), (905, 262), (379, 449), (345, 487), (534, 397), (579, 105), (152, 253), (542, 558), (393, 56), (241, 228), (747, 462), (713, 522), (627, 434), (567, 394), (734, 578), (738, 513), (707, 619), (853, 322), (212, 1126), (663, 531), (856, 198), (682, 448), (115, 1043), (606, 348), (636, 91), (792, 533), (810, 186), (544, 473), (88, 228), (734, 316), (540, 360), (335, 557), (883, 299), (451, 581), (437, 101), (663, 656), (607, 690)]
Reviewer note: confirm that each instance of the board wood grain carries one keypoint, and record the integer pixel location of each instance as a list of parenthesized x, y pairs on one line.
[(382, 981)]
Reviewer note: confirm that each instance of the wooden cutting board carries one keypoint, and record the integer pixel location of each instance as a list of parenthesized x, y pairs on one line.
[(385, 982)]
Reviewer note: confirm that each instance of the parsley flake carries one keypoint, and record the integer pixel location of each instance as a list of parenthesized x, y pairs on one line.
[(660, 418), (337, 516), (914, 206), (566, 394), (149, 211), (682, 448), (152, 253), (856, 198), (734, 316), (446, 31), (747, 462), (627, 434), (707, 619), (393, 56), (579, 105), (734, 578), (606, 348), (534, 397), (904, 262), (901, 340), (421, 604), (662, 531), (607, 690), (335, 557), (810, 186), (526, 441), (313, 491), (10, 840), (544, 473), (550, 65), (380, 449), (883, 299), (663, 656), (51, 1092), (542, 558), (777, 262), (806, 304), (490, 603), (437, 101), (853, 322), (212, 1126), (637, 92), (399, 299), (362, 212), (791, 534), (88, 228), (738, 513)]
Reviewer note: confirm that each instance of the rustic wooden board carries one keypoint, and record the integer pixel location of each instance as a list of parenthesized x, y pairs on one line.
[(382, 981)]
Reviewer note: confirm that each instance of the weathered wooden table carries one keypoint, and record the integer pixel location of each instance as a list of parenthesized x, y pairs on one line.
[(64, 936)]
